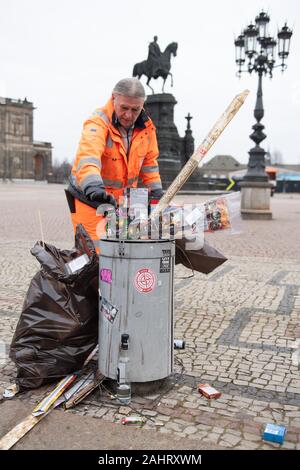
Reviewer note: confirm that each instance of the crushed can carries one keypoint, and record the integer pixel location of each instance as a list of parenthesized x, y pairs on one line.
[(133, 420)]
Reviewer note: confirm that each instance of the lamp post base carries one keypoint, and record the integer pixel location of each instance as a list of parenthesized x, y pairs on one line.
[(255, 201)]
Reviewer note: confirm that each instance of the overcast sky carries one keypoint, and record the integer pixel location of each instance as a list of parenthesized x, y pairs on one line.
[(65, 56)]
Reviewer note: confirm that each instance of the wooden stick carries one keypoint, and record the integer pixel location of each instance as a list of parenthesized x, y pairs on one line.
[(41, 228), (15, 434), (201, 151)]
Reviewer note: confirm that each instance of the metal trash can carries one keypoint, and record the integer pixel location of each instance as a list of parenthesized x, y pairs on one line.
[(137, 298)]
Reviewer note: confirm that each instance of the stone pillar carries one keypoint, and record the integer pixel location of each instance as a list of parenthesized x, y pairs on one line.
[(255, 202), (255, 188)]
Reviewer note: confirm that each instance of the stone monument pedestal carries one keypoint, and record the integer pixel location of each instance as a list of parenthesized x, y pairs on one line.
[(174, 151), (255, 200), (161, 109)]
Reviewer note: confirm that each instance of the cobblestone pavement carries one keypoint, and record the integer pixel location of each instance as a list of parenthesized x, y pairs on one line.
[(240, 324)]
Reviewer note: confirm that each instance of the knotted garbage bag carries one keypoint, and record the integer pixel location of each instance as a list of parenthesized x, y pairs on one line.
[(58, 326)]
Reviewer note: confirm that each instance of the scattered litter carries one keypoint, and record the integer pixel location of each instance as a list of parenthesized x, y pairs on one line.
[(296, 358), (154, 423), (77, 264), (92, 356), (82, 389), (49, 400), (179, 344), (133, 420), (11, 391), (296, 354), (208, 391), (274, 433)]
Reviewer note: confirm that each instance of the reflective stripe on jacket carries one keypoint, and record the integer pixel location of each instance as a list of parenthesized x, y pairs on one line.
[(101, 157)]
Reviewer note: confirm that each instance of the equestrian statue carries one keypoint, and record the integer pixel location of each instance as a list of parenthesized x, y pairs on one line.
[(158, 63)]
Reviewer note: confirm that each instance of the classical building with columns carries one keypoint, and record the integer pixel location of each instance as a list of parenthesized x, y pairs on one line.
[(20, 156)]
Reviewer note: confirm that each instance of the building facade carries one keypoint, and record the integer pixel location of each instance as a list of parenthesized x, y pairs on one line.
[(20, 156), (221, 167)]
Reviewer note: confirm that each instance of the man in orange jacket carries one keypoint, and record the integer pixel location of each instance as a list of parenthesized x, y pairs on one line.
[(117, 147)]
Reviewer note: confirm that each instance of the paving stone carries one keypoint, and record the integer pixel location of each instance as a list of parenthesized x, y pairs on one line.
[(252, 437), (190, 430), (174, 426), (217, 431), (149, 413), (247, 445), (192, 405), (164, 430), (163, 418), (100, 413), (124, 410), (288, 445), (221, 442)]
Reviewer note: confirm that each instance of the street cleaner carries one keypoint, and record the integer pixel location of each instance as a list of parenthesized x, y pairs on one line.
[(118, 146)]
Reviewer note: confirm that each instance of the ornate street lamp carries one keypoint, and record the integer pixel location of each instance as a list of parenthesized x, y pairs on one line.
[(256, 46), (255, 49)]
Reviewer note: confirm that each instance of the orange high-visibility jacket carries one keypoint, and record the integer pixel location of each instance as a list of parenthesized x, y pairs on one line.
[(101, 157)]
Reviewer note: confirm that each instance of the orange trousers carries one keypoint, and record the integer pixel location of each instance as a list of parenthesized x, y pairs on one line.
[(87, 216)]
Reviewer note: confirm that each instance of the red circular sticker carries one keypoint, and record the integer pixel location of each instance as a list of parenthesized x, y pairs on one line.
[(145, 280)]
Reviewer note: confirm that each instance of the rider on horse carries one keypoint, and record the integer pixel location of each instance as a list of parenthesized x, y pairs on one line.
[(154, 56), (158, 63)]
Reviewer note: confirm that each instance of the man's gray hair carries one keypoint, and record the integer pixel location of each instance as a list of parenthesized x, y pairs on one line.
[(130, 87)]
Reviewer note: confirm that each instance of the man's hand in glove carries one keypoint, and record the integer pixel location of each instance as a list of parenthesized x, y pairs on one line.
[(155, 196), (99, 194)]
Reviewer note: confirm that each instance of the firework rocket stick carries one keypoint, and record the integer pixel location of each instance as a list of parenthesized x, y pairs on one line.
[(199, 154)]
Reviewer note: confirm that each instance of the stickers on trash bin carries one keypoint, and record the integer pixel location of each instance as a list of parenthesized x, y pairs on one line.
[(106, 275), (108, 310), (165, 262), (145, 280)]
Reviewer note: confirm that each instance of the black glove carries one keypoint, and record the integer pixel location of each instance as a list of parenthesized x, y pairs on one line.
[(155, 195), (99, 194)]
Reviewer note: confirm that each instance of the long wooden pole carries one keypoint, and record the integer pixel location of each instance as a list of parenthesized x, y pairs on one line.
[(201, 151)]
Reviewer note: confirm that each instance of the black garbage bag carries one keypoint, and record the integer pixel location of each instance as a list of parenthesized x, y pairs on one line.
[(204, 260), (58, 326)]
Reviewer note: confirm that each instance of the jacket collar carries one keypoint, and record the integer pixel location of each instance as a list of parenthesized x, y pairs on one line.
[(139, 123), (142, 121)]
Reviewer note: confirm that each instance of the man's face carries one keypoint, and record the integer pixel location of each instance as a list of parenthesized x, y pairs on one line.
[(127, 109)]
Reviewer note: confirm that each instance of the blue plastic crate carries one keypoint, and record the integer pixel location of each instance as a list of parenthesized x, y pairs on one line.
[(274, 433)]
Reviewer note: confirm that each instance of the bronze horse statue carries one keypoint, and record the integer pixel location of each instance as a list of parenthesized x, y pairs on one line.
[(159, 68)]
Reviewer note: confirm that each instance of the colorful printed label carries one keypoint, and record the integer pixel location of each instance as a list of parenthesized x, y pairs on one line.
[(145, 280), (106, 275)]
